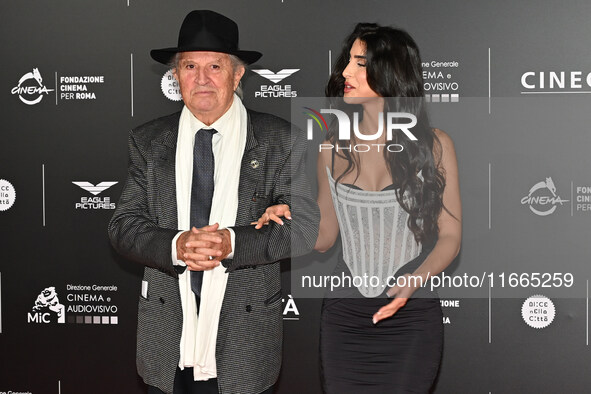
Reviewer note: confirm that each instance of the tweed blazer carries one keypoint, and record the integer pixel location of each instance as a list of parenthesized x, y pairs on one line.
[(248, 348)]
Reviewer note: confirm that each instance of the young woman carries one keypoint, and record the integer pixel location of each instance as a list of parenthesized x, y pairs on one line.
[(398, 212)]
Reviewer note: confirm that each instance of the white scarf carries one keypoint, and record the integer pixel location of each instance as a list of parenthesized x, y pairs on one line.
[(198, 339)]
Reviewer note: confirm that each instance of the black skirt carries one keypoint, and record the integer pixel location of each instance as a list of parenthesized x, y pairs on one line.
[(400, 354)]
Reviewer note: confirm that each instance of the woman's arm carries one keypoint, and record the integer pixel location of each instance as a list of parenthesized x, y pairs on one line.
[(448, 243), (450, 219), (329, 226)]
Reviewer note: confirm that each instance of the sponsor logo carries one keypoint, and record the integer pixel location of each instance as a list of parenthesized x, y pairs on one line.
[(276, 90), (290, 310), (440, 82), (542, 198), (30, 88), (79, 87), (95, 190), (583, 198), (47, 308), (7, 195), (555, 82), (538, 311), (448, 304), (393, 123), (170, 87), (82, 304), (280, 76), (98, 189)]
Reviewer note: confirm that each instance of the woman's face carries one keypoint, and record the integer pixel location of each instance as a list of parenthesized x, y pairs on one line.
[(355, 74)]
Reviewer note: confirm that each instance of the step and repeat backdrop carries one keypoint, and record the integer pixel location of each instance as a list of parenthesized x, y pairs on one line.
[(510, 82)]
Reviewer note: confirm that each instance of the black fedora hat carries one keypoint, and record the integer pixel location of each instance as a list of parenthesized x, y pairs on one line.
[(204, 30)]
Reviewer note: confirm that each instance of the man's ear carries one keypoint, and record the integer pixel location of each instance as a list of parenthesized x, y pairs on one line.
[(238, 76)]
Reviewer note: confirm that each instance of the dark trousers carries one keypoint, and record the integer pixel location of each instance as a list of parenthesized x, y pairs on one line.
[(184, 384)]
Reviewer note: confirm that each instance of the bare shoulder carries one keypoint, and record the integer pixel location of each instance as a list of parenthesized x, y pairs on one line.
[(329, 158), (445, 148), (326, 154), (443, 138)]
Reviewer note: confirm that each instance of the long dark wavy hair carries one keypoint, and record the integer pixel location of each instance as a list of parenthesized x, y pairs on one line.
[(394, 72)]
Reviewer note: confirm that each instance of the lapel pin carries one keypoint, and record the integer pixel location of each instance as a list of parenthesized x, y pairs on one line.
[(254, 163)]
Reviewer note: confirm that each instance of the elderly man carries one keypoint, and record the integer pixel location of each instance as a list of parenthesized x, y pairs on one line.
[(209, 316)]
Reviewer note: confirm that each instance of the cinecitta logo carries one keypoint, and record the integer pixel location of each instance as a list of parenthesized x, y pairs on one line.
[(94, 190), (280, 76)]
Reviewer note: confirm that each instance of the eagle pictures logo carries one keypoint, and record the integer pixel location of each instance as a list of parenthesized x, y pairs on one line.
[(276, 77), (276, 90), (94, 202)]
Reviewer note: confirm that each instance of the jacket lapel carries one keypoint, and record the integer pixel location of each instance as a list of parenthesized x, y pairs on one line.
[(164, 157), (251, 170)]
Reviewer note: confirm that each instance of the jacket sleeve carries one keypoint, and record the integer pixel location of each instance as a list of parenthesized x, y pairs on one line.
[(297, 236), (134, 230)]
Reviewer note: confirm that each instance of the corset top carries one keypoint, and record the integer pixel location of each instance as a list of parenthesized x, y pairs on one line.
[(375, 235)]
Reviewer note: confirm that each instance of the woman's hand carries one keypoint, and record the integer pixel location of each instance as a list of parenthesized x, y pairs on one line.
[(400, 295), (274, 213)]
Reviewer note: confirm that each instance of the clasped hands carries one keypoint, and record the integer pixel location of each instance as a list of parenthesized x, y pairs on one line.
[(203, 248)]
